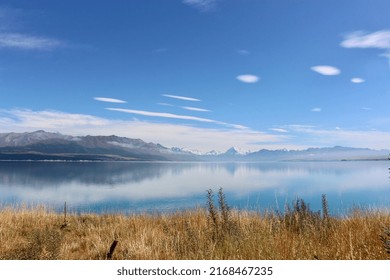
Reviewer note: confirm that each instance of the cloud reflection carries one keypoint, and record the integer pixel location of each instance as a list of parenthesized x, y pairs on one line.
[(127, 187)]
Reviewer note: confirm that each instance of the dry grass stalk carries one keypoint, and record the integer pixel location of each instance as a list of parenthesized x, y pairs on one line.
[(197, 234)]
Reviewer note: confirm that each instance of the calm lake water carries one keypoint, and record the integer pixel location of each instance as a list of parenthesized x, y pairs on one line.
[(154, 187)]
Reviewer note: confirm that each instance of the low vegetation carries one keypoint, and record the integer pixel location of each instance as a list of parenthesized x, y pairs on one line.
[(216, 232)]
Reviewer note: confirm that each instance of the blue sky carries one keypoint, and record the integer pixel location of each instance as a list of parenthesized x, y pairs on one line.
[(199, 74)]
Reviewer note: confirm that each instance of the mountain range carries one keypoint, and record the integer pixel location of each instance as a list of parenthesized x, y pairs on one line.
[(42, 145)]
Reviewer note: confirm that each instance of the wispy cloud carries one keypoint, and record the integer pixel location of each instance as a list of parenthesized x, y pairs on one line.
[(357, 80), (161, 115), (316, 109), (203, 139), (11, 20), (28, 42), (248, 78), (298, 127), (109, 100), (279, 130), (165, 104), (243, 52), (181, 97), (361, 39), (386, 54), (48, 119), (326, 70), (185, 107), (317, 137), (174, 116), (202, 5), (195, 109)]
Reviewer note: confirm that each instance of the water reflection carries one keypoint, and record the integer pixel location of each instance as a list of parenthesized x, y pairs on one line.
[(140, 186)]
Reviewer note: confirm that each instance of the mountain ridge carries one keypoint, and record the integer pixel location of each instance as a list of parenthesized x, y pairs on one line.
[(42, 145)]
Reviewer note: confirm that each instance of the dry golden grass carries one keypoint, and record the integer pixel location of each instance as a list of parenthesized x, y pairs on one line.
[(217, 233)]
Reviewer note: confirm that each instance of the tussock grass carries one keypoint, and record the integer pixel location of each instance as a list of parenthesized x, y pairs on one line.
[(216, 232)]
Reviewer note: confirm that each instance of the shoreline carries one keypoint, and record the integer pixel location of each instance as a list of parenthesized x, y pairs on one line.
[(213, 233)]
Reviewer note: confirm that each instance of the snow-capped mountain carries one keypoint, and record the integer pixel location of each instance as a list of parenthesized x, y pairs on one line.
[(22, 139), (41, 145), (236, 151), (47, 145)]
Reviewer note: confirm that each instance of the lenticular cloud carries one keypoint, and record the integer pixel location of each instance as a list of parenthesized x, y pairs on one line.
[(248, 78), (109, 100), (357, 80), (326, 70)]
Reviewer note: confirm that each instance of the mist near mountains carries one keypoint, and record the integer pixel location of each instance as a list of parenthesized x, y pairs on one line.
[(42, 145)]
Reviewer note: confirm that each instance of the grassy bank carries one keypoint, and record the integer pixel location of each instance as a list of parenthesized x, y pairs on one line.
[(212, 233)]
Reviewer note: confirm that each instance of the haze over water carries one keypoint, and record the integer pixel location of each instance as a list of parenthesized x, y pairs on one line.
[(130, 187)]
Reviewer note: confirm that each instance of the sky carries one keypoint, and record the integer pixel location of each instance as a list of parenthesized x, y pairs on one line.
[(199, 74)]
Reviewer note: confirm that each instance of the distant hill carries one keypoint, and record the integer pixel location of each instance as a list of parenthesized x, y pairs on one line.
[(41, 145), (311, 154), (321, 154)]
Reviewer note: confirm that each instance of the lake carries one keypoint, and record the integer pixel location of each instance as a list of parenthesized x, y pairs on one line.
[(130, 187)]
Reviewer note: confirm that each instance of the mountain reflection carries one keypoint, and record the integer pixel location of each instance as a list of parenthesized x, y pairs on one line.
[(160, 186), (51, 174)]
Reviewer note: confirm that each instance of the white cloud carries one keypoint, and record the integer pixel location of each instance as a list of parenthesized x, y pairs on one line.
[(237, 126), (27, 42), (49, 119), (243, 52), (248, 78), (279, 130), (181, 97), (162, 115), (109, 100), (174, 116), (185, 107), (164, 104), (10, 20), (170, 135), (195, 109), (357, 80), (316, 110), (326, 70), (361, 39), (202, 139), (202, 5), (366, 108)]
